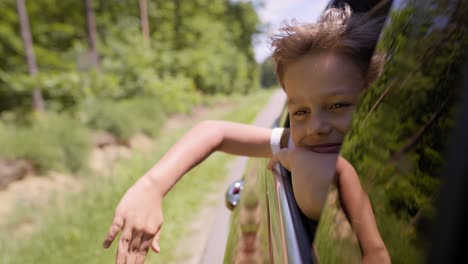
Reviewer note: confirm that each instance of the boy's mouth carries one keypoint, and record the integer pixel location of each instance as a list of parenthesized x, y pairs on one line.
[(326, 148)]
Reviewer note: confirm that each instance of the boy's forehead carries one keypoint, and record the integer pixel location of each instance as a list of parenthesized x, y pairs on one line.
[(332, 73), (301, 94), (324, 63)]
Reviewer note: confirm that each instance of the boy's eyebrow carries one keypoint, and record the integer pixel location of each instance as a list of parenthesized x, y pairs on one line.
[(338, 92)]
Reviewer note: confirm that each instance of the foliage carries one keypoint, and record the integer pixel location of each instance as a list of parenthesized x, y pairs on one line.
[(124, 118), (196, 47), (202, 45), (50, 141), (268, 76)]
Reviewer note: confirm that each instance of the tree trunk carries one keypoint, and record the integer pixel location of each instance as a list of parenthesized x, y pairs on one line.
[(418, 135), (415, 139), (144, 22), (177, 24), (38, 101), (92, 39), (420, 214)]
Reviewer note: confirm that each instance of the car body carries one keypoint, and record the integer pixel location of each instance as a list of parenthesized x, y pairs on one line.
[(413, 175)]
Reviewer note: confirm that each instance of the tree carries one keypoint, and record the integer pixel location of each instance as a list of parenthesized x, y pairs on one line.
[(268, 76), (38, 101), (92, 38), (144, 22), (205, 42)]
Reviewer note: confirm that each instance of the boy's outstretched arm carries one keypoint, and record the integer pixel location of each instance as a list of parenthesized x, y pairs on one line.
[(357, 208), (202, 140), (139, 213)]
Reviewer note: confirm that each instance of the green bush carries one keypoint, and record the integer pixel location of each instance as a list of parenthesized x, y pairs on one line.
[(50, 142), (175, 94), (61, 90), (224, 70), (124, 118)]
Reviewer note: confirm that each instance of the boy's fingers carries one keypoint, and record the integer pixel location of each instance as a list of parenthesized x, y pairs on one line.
[(114, 230), (283, 157), (144, 247), (135, 242), (134, 247), (155, 243), (124, 243)]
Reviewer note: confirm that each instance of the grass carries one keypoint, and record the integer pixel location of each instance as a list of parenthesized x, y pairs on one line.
[(331, 249), (72, 229), (395, 234)]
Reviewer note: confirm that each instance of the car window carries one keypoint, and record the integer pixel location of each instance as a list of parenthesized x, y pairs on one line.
[(401, 131)]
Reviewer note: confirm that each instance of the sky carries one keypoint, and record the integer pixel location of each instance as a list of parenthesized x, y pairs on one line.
[(274, 12)]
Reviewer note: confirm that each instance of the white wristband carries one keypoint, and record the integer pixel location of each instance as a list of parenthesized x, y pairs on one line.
[(275, 139)]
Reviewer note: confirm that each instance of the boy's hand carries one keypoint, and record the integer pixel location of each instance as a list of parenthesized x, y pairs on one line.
[(311, 173), (139, 216)]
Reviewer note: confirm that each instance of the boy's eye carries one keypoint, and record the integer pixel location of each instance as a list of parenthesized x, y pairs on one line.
[(339, 105), (300, 112)]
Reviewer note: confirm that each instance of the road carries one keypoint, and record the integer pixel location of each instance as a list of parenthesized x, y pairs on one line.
[(215, 244)]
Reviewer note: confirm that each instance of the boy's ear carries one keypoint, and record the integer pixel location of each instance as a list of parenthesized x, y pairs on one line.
[(376, 67)]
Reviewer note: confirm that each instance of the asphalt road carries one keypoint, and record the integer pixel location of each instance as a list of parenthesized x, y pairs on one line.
[(216, 243)]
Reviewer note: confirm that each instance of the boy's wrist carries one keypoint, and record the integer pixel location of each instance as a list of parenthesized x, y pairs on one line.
[(154, 182), (378, 254), (375, 249)]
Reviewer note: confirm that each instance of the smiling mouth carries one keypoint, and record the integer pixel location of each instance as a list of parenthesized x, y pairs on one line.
[(325, 148)]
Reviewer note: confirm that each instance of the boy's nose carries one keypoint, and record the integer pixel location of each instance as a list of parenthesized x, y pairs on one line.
[(318, 125)]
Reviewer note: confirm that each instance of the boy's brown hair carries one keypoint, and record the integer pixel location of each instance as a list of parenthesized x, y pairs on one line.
[(337, 31)]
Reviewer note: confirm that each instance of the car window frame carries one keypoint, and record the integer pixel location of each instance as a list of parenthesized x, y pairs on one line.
[(299, 230)]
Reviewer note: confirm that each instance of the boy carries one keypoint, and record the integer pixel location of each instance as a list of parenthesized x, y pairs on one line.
[(323, 68)]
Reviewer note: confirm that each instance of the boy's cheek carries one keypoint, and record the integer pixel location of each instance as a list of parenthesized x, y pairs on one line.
[(297, 132), (344, 122)]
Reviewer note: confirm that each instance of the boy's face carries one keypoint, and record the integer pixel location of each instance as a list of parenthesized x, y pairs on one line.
[(322, 91)]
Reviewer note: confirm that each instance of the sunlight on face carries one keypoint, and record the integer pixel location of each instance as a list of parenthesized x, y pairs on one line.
[(322, 90)]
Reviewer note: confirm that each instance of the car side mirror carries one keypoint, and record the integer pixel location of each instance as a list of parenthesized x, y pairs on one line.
[(233, 194)]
